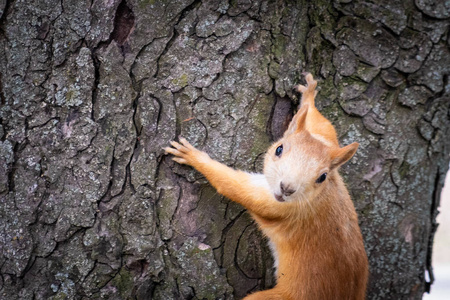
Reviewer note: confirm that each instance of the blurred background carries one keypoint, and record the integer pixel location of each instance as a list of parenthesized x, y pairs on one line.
[(440, 290)]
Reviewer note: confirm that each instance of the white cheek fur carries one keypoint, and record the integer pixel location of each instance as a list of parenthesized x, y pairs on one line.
[(259, 180)]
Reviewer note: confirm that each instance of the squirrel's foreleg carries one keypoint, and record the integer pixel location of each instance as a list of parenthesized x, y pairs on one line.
[(233, 184)]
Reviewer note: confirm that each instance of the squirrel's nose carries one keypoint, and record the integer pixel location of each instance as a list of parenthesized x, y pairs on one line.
[(286, 189)]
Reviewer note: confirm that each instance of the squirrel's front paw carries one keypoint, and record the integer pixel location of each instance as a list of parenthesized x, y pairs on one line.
[(185, 153), (310, 87)]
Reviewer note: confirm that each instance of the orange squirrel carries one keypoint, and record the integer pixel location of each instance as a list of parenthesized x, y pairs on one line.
[(301, 204)]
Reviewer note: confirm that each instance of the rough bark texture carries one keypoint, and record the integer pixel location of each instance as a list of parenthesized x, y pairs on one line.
[(90, 92)]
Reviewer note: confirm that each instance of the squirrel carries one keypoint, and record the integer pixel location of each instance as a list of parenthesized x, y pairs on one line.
[(301, 204)]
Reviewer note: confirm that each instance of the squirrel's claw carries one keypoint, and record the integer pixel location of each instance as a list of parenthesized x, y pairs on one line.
[(178, 151), (180, 160), (301, 88), (186, 144), (172, 151), (179, 147), (310, 81), (311, 84), (184, 152)]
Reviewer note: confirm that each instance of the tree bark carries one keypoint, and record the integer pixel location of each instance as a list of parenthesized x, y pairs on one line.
[(90, 91)]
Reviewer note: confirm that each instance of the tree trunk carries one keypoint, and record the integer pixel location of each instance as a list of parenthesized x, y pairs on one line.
[(90, 91)]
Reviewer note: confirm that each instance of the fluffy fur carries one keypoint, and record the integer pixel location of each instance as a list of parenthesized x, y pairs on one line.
[(312, 225)]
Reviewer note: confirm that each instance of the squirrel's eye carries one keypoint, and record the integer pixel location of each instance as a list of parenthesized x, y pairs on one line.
[(322, 178), (279, 150)]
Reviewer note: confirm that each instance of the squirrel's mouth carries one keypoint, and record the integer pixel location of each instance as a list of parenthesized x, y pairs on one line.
[(279, 198)]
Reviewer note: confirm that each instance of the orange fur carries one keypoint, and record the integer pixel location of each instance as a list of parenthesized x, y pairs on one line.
[(312, 225)]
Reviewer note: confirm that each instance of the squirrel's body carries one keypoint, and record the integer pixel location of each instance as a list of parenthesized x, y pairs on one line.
[(302, 205), (322, 252)]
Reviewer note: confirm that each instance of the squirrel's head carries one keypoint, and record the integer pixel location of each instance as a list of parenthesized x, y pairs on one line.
[(299, 165)]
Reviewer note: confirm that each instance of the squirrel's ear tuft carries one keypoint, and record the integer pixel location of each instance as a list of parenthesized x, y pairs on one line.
[(342, 155), (298, 121)]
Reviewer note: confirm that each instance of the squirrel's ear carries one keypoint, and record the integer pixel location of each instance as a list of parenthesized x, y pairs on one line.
[(342, 155), (298, 121)]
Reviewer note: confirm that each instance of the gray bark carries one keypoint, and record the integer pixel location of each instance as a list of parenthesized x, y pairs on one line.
[(90, 91)]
